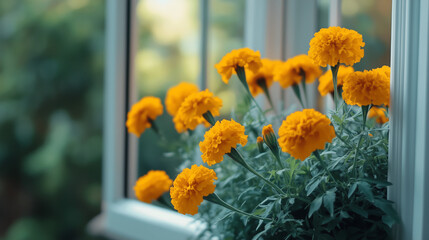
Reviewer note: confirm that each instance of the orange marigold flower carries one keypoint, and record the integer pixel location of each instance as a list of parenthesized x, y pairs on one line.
[(177, 94), (335, 45), (259, 139), (294, 69), (189, 188), (142, 113), (379, 114), (220, 139), (264, 75), (367, 87), (190, 113), (243, 57), (325, 81), (304, 132), (152, 185), (385, 69)]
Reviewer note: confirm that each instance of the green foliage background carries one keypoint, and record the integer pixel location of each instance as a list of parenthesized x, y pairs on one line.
[(51, 80)]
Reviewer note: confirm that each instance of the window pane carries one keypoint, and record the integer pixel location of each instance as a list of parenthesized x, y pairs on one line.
[(168, 40), (168, 52), (372, 19)]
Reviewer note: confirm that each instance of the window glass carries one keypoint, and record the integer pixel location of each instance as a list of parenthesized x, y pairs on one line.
[(372, 19), (168, 52)]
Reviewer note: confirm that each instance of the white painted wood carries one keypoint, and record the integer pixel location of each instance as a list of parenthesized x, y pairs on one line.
[(408, 146)]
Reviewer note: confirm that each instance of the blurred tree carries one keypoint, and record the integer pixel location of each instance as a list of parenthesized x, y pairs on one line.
[(51, 81)]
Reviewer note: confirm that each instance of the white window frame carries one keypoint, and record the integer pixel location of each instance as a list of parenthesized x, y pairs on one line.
[(125, 218)]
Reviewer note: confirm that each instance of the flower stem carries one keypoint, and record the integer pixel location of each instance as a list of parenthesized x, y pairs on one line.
[(295, 88), (365, 110), (304, 88), (242, 77), (334, 70), (236, 156), (209, 117), (214, 198), (155, 128), (263, 85), (325, 167)]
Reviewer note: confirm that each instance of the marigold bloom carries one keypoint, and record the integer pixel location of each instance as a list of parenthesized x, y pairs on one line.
[(367, 87), (259, 139), (152, 185), (190, 113), (325, 81), (177, 94), (335, 45), (243, 57), (189, 188), (379, 114), (265, 74), (142, 113), (292, 71), (304, 132), (220, 139), (266, 130), (384, 69)]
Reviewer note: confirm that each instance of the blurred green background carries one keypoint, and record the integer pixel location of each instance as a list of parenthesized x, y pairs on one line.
[(51, 86)]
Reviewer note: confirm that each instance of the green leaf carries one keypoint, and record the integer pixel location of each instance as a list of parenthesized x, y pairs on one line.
[(344, 214), (313, 185), (359, 211), (388, 209), (328, 201), (388, 220), (379, 183), (315, 205), (366, 190), (336, 118), (352, 189)]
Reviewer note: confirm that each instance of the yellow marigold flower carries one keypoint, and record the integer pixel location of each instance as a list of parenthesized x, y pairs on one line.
[(265, 74), (190, 113), (367, 87), (220, 139), (259, 139), (243, 57), (325, 81), (379, 114), (152, 185), (385, 69), (177, 94), (335, 45), (304, 132), (291, 72), (189, 188), (142, 113)]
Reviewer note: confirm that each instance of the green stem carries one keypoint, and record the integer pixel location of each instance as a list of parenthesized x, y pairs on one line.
[(214, 198), (334, 70), (365, 110), (242, 77), (236, 156), (263, 85), (325, 167), (356, 154), (156, 129), (295, 89), (303, 84), (209, 117)]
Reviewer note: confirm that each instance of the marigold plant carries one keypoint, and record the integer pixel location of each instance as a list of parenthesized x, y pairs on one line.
[(152, 185), (177, 94), (334, 45), (220, 139), (190, 113), (367, 87), (326, 85), (295, 69), (243, 57), (189, 188), (142, 115), (304, 132)]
